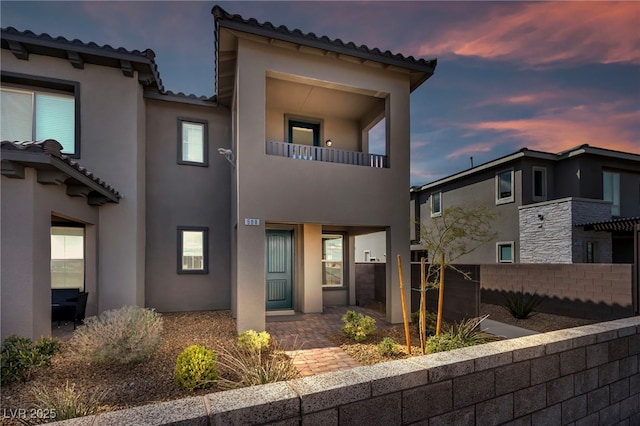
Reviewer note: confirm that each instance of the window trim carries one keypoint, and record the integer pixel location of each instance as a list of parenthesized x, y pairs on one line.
[(34, 82), (439, 212), (205, 250), (505, 243), (344, 281), (205, 141), (544, 195), (511, 198)]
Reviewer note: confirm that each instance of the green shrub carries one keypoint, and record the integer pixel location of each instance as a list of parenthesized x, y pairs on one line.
[(358, 326), (432, 319), (252, 341), (20, 357), (249, 368), (196, 367), (387, 347), (65, 403), (459, 335), (521, 305), (48, 347), (121, 336)]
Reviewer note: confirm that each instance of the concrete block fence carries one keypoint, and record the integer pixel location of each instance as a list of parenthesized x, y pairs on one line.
[(596, 291), (582, 376)]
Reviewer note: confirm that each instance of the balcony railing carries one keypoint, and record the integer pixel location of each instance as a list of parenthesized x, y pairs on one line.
[(329, 155)]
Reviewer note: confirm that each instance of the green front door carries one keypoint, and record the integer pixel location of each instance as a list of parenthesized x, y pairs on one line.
[(279, 265)]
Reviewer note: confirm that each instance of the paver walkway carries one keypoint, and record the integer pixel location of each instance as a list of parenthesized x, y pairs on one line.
[(305, 335)]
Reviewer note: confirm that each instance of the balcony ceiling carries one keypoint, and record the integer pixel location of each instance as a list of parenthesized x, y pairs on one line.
[(318, 102)]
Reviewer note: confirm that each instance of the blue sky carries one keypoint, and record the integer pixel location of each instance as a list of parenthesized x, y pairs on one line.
[(541, 75)]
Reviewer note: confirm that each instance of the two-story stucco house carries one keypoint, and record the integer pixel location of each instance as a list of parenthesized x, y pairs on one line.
[(116, 186), (576, 206)]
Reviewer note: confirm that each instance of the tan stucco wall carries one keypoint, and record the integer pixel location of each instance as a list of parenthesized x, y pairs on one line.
[(25, 275), (112, 147), (294, 191)]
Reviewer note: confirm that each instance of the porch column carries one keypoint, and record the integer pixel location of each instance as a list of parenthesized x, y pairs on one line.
[(397, 244), (312, 269)]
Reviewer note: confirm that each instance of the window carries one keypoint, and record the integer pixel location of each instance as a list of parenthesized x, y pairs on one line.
[(67, 257), (591, 252), (611, 191), (332, 260), (33, 115), (192, 250), (504, 187), (304, 133), (436, 204), (193, 146), (504, 252), (539, 183)]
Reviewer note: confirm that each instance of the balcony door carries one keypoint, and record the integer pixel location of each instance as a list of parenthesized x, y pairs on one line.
[(279, 267), (304, 133)]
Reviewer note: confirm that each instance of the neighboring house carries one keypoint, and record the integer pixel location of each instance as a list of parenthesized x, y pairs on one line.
[(577, 206), (125, 194)]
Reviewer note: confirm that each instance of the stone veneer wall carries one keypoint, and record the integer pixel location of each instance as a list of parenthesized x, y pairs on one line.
[(586, 375), (548, 233), (584, 290)]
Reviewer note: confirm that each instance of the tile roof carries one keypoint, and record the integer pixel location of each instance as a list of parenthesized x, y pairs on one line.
[(22, 43), (51, 149), (267, 29)]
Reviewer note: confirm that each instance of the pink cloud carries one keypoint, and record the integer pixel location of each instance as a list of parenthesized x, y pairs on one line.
[(541, 33), (472, 149), (555, 130)]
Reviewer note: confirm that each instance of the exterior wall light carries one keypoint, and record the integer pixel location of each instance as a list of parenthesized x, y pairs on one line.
[(328, 143)]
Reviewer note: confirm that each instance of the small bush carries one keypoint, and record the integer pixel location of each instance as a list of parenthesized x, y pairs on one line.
[(387, 347), (20, 357), (121, 336), (252, 341), (196, 368), (521, 305), (459, 335), (268, 365), (358, 326), (65, 403)]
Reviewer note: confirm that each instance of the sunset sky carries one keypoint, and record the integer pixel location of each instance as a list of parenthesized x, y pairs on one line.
[(541, 75)]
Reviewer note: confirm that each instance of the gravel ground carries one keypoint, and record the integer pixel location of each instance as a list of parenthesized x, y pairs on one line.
[(153, 381), (132, 385)]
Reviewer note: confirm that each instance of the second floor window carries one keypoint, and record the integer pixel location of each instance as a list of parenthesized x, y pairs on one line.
[(504, 187), (436, 204), (611, 191), (34, 115), (304, 133), (192, 142), (539, 183)]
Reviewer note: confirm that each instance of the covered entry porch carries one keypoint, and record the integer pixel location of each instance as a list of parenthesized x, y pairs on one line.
[(295, 268)]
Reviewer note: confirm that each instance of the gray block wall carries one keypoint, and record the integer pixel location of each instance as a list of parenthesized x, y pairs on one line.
[(586, 375)]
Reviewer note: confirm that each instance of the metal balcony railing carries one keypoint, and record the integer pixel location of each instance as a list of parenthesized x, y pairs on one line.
[(329, 155)]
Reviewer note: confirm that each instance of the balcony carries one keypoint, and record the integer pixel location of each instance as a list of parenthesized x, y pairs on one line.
[(328, 155)]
